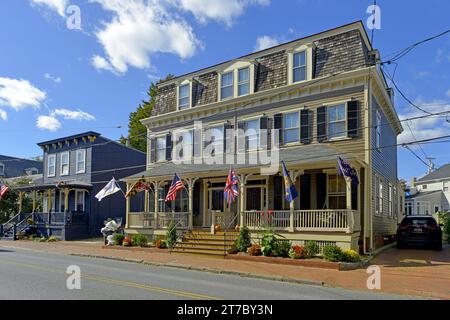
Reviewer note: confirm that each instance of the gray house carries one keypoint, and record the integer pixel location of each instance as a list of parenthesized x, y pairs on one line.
[(12, 167), (76, 168)]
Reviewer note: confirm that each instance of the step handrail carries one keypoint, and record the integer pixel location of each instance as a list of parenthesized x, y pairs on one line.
[(174, 227), (225, 234)]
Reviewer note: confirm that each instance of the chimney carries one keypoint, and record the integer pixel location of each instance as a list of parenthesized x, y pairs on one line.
[(413, 182)]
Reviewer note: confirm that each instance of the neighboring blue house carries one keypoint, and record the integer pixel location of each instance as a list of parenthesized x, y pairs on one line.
[(76, 168), (11, 167)]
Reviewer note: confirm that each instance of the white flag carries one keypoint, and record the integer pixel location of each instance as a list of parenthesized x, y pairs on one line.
[(108, 190)]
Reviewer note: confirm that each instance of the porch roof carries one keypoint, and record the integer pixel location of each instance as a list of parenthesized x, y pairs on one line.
[(293, 156), (39, 185)]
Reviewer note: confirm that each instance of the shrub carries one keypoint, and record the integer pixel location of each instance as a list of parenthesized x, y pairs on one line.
[(140, 240), (127, 242), (43, 239), (244, 240), (52, 239), (282, 248), (350, 256), (297, 252), (268, 244), (254, 250), (118, 239), (311, 248), (332, 253), (161, 244), (171, 235), (446, 228)]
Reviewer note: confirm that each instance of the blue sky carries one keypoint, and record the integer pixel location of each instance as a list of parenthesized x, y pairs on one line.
[(72, 80)]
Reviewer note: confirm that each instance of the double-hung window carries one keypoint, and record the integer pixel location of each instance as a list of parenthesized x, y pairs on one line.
[(64, 171), (79, 201), (227, 85), (291, 127), (252, 134), (380, 195), (2, 169), (408, 208), (299, 67), (81, 161), (390, 199), (243, 81), (184, 99), (184, 145), (337, 121), (160, 149), (216, 140), (336, 192), (378, 130), (51, 165)]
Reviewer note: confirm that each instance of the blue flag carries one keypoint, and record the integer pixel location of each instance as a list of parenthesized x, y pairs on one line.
[(291, 192)]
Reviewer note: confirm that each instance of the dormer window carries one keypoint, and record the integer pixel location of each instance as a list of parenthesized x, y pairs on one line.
[(243, 81), (299, 67), (184, 97), (227, 86)]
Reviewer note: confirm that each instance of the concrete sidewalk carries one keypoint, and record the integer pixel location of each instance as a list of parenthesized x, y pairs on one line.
[(412, 272)]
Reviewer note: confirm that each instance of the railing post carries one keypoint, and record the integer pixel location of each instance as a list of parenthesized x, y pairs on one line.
[(156, 191), (213, 222), (191, 203), (14, 231), (291, 217), (128, 206)]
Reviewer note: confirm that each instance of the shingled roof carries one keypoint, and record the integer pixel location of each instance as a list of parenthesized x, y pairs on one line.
[(441, 173)]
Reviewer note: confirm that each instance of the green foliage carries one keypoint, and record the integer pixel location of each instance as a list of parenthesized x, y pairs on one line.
[(171, 235), (244, 240), (140, 240), (136, 130), (311, 249), (350, 256), (282, 248), (446, 229), (118, 239), (161, 244), (254, 250), (52, 239), (271, 246), (333, 253)]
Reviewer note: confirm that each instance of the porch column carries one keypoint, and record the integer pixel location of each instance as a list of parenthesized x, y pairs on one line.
[(293, 175), (146, 200), (243, 197), (128, 206), (34, 200), (191, 183), (66, 199), (348, 198), (20, 201), (156, 186)]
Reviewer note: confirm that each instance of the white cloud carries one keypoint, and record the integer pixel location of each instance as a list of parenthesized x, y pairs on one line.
[(138, 30), (425, 128), (48, 123), (55, 79), (219, 10), (56, 5), (3, 115), (265, 42), (73, 115), (19, 94)]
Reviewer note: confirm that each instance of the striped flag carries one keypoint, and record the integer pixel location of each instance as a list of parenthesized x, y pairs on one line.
[(176, 185), (3, 190), (139, 186), (231, 187)]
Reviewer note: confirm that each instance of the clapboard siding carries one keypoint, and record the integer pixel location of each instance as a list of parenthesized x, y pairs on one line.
[(384, 165)]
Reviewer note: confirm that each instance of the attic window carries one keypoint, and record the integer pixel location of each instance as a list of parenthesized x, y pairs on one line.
[(184, 97), (299, 66)]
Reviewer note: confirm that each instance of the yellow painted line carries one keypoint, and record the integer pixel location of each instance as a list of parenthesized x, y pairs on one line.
[(122, 283)]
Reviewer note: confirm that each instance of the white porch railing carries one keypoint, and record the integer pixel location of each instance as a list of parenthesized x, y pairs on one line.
[(141, 220), (179, 218), (305, 220)]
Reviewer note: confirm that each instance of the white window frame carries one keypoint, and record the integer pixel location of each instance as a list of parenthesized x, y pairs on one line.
[(53, 172), (162, 138), (423, 205), (241, 83), (77, 192), (218, 141), (293, 128), (343, 134), (391, 200), (233, 92), (189, 96), (445, 186), (409, 206), (189, 147), (378, 131), (258, 134), (336, 193), (79, 151), (61, 164), (305, 66), (381, 196), (308, 48)]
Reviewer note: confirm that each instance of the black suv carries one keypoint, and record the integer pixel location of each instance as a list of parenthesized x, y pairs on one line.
[(419, 230)]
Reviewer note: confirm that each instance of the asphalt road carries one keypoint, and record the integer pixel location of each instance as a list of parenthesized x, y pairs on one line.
[(37, 275)]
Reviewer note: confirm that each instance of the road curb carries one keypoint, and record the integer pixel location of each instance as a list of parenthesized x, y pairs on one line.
[(204, 269)]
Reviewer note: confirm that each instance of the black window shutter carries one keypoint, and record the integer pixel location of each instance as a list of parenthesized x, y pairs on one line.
[(169, 147), (242, 145), (322, 124), (305, 126), (264, 135), (352, 118), (227, 139), (278, 125), (153, 150)]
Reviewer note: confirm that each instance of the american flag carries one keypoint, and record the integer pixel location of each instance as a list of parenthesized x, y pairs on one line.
[(3, 190), (347, 171), (231, 190), (176, 185)]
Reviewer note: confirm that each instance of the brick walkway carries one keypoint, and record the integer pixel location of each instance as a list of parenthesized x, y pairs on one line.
[(409, 272)]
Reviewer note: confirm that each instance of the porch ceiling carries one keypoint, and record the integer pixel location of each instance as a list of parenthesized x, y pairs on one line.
[(48, 186), (293, 156)]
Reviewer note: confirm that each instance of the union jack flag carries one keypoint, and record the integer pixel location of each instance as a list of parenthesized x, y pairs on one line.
[(176, 185), (3, 190), (231, 190)]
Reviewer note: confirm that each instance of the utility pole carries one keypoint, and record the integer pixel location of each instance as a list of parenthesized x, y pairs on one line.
[(430, 164)]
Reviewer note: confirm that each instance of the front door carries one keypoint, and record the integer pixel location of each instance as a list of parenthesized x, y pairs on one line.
[(216, 204)]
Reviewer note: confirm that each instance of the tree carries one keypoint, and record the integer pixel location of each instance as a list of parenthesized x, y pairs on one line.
[(136, 130), (9, 204)]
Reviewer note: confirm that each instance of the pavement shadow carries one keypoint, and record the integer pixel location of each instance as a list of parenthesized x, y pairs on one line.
[(4, 250)]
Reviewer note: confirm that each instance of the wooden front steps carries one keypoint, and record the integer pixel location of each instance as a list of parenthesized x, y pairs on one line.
[(204, 243)]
